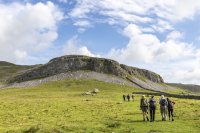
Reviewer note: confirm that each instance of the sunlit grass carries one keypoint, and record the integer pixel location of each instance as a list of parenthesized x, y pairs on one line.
[(60, 107)]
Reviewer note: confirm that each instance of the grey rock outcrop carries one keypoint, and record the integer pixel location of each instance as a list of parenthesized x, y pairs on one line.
[(72, 63)]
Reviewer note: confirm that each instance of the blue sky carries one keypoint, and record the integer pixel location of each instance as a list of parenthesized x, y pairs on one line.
[(162, 36)]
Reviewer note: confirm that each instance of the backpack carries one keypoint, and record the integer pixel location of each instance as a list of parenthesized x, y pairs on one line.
[(163, 102), (144, 102), (170, 105), (152, 103)]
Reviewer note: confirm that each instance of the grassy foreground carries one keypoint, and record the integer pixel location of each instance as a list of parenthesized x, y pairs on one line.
[(59, 107)]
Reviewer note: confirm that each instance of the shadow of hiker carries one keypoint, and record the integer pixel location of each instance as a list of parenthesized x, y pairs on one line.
[(137, 121), (134, 121)]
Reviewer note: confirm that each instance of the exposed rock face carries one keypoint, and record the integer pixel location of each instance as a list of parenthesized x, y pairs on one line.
[(142, 73), (75, 62)]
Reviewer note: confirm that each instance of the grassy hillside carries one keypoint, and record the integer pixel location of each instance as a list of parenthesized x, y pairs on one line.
[(59, 107), (187, 87), (8, 70)]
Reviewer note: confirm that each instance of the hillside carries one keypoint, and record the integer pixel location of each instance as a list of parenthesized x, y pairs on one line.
[(72, 63), (188, 87), (60, 107), (8, 70), (105, 70), (76, 62)]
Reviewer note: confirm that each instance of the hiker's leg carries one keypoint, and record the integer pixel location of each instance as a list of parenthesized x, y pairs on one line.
[(147, 116), (154, 111), (172, 113), (165, 113), (151, 114), (169, 113), (161, 113), (143, 113)]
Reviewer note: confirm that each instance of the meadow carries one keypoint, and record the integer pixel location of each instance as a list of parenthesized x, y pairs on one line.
[(59, 107)]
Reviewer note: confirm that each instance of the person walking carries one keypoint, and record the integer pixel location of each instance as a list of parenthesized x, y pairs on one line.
[(152, 108), (124, 97), (133, 98), (144, 108), (128, 97), (170, 109), (163, 107)]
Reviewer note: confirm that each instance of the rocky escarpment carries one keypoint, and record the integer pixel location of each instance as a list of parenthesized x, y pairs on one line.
[(76, 62), (142, 73)]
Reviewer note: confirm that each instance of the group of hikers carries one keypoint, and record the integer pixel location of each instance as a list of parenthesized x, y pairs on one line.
[(166, 106), (128, 97)]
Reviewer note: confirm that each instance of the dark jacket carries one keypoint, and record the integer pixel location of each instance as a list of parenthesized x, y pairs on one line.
[(152, 103), (170, 104)]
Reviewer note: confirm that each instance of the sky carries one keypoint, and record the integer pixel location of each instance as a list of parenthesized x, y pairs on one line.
[(159, 35)]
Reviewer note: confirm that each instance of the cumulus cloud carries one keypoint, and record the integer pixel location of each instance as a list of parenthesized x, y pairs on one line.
[(143, 47), (159, 14), (175, 60), (27, 30), (72, 47), (175, 35)]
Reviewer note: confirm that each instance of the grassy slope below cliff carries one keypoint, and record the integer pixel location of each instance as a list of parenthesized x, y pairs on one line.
[(59, 107)]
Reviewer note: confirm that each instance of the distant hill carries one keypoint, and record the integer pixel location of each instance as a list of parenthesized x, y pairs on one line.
[(8, 70), (188, 87), (4, 63)]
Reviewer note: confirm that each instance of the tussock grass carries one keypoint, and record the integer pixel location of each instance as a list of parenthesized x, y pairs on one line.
[(59, 107)]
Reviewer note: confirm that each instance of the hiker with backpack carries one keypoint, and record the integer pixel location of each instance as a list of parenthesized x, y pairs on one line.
[(170, 108), (152, 108), (163, 107), (144, 107)]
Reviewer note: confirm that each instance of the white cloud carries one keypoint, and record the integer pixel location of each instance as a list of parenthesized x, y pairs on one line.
[(20, 54), (177, 10), (162, 25), (175, 35), (82, 23), (189, 76), (71, 47), (158, 14), (27, 29), (147, 48), (172, 58)]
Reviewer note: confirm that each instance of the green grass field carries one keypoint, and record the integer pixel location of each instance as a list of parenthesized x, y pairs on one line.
[(59, 107)]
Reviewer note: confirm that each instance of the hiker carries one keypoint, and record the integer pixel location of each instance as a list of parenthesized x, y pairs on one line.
[(163, 107), (170, 108), (128, 97), (124, 97), (152, 108), (132, 98), (144, 107)]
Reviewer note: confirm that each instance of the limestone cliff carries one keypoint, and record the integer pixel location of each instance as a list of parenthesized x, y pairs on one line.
[(72, 63)]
